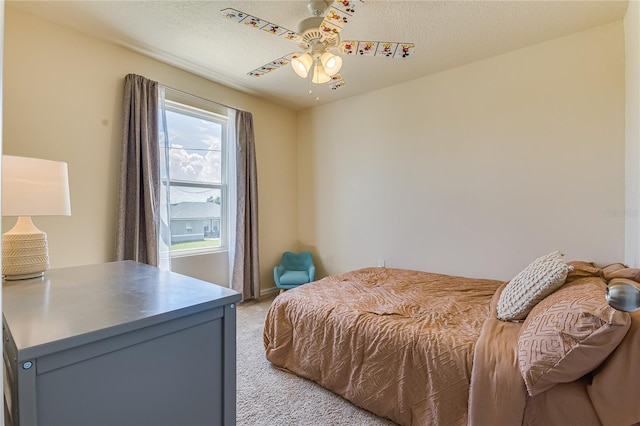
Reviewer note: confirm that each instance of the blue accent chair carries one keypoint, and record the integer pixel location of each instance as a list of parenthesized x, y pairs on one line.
[(294, 270)]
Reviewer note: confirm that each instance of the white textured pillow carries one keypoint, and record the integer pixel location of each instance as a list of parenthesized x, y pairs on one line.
[(535, 282)]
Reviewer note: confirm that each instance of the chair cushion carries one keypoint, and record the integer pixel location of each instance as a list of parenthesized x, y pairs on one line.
[(296, 261), (294, 277)]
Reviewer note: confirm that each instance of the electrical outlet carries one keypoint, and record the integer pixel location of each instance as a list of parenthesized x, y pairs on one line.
[(381, 263)]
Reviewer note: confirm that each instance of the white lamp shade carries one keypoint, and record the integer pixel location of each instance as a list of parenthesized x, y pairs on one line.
[(331, 63), (34, 187), (319, 76), (302, 64)]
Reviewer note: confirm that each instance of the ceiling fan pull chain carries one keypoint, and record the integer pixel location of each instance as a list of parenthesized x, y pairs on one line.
[(311, 91)]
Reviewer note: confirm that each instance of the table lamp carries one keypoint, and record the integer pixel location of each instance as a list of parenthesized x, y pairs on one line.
[(30, 187)]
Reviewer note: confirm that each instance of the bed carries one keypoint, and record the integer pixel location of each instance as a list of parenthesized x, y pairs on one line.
[(427, 349)]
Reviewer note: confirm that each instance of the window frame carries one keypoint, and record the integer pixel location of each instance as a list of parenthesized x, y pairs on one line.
[(185, 108)]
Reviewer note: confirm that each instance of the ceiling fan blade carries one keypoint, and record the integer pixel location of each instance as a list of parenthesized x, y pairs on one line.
[(339, 14), (273, 65), (377, 48), (336, 82), (257, 23)]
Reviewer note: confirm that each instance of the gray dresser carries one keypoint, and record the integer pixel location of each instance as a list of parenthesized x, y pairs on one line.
[(119, 343)]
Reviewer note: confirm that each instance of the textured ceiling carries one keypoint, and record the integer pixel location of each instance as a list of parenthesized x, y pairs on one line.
[(192, 35)]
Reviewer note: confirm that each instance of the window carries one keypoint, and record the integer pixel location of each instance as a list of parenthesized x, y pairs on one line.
[(196, 185)]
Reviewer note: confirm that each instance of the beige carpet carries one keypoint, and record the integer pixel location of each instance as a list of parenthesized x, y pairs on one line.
[(268, 396)]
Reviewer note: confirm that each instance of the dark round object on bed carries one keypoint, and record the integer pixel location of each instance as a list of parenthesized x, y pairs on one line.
[(623, 296)]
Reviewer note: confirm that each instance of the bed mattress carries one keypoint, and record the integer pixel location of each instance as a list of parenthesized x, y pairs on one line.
[(398, 343)]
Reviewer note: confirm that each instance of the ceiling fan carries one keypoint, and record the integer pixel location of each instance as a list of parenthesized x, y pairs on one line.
[(318, 36)]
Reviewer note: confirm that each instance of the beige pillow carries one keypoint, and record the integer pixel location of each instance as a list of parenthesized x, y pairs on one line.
[(569, 334), (543, 276)]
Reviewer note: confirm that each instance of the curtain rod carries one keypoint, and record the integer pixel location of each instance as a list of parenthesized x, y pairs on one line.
[(199, 97)]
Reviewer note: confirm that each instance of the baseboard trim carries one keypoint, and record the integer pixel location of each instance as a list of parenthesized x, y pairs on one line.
[(269, 292)]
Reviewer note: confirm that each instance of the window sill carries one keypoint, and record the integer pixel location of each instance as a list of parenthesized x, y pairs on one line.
[(198, 252)]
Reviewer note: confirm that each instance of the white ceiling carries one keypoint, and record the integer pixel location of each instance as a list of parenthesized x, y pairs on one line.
[(192, 35)]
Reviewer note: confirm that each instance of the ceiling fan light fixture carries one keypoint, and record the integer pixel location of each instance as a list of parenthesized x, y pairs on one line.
[(317, 37), (302, 64), (331, 63), (319, 74)]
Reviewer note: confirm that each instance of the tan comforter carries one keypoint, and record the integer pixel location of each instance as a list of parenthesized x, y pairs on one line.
[(398, 343), (608, 396), (498, 395)]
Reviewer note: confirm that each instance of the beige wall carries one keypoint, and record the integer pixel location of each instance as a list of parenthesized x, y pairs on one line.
[(473, 171), (62, 101), (632, 124)]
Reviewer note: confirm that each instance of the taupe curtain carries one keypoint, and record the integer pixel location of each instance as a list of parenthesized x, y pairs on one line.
[(245, 276), (139, 196)]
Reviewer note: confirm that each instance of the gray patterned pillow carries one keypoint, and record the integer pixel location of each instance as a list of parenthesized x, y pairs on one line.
[(541, 278)]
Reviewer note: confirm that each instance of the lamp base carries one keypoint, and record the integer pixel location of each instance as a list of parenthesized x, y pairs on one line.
[(25, 252), (23, 276)]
